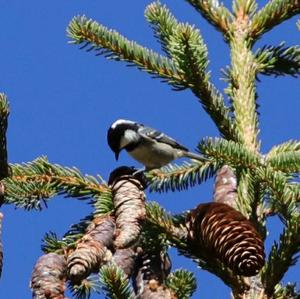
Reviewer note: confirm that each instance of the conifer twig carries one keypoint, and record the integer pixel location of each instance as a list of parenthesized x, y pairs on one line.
[(279, 60), (272, 14), (114, 282), (34, 182), (215, 13), (180, 177), (115, 46), (242, 89), (282, 255)]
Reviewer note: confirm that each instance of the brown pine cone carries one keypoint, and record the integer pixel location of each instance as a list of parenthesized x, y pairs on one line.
[(152, 271), (227, 235), (129, 202), (48, 277), (125, 259), (91, 249)]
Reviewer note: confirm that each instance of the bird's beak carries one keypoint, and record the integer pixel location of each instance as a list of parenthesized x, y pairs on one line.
[(117, 155)]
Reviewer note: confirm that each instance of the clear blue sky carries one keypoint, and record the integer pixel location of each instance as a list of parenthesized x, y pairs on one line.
[(63, 100)]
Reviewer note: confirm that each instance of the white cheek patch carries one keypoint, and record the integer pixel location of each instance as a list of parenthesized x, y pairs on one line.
[(130, 136)]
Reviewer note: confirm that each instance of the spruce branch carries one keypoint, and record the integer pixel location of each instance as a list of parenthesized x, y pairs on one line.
[(185, 46), (182, 282), (278, 60), (103, 204), (242, 8), (86, 287), (288, 162), (288, 146), (165, 223), (115, 283), (282, 255), (284, 195), (272, 14), (163, 23), (215, 13), (229, 152), (180, 177), (51, 242), (288, 291), (114, 46), (189, 53), (212, 102), (242, 89), (33, 183), (4, 113)]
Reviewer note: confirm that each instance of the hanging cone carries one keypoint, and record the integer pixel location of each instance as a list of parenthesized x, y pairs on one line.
[(125, 259), (129, 202), (152, 270), (91, 249), (227, 235), (48, 277)]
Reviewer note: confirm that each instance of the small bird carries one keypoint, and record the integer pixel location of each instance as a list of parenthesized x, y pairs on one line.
[(146, 145)]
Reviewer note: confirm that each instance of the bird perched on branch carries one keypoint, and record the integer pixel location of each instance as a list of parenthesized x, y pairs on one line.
[(148, 146)]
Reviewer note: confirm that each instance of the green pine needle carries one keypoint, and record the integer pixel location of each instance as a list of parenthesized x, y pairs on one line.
[(288, 146), (182, 282), (288, 162), (33, 183), (279, 60), (282, 255), (171, 226), (229, 153), (289, 291), (103, 204), (87, 286), (114, 283), (180, 177), (284, 195), (114, 46), (244, 7), (163, 23), (272, 14), (51, 243), (215, 13)]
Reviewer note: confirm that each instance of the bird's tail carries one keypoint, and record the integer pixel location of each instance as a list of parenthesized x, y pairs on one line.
[(194, 156)]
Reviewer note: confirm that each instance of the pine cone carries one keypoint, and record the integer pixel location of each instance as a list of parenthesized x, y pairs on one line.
[(152, 270), (129, 202), (125, 259), (48, 277), (91, 249), (227, 235)]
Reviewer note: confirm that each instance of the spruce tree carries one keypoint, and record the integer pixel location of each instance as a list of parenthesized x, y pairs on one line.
[(121, 248)]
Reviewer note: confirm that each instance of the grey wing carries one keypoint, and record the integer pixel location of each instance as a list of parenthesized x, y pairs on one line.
[(150, 133)]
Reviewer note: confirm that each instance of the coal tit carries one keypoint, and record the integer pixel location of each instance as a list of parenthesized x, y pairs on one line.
[(146, 145)]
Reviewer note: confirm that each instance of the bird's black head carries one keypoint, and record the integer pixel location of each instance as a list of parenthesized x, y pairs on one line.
[(121, 134)]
